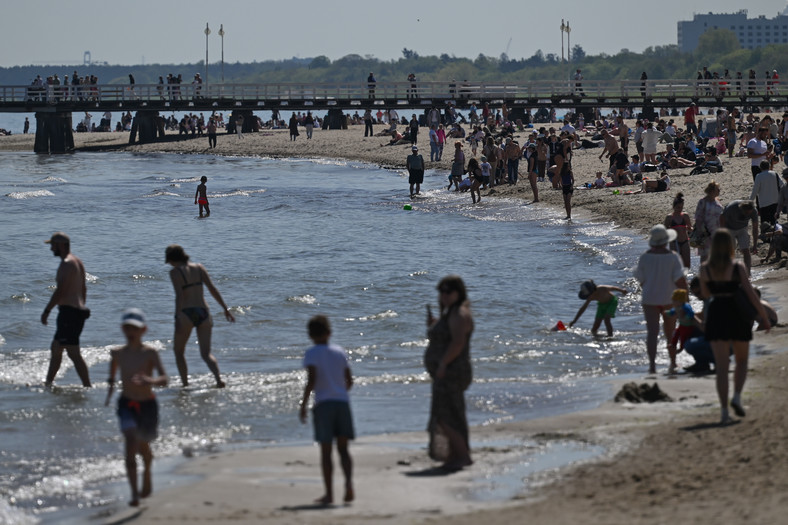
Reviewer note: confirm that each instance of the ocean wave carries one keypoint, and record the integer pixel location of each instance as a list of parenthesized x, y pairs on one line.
[(52, 179), (21, 297), (388, 314), (189, 179), (304, 299), (161, 193), (236, 193), (140, 277), (89, 277), (29, 194)]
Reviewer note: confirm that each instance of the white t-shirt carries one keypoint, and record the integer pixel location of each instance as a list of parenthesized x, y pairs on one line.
[(767, 188), (330, 363), (650, 139), (759, 148), (657, 274)]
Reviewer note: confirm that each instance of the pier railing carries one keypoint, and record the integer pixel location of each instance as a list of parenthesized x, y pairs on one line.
[(325, 95)]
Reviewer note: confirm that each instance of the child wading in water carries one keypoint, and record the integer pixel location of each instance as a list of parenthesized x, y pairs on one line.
[(138, 410), (606, 304), (328, 374), (201, 197)]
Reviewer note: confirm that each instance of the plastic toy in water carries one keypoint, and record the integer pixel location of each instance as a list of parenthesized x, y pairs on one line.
[(407, 207), (559, 327)]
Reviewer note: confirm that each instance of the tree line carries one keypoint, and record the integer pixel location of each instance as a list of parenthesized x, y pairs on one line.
[(718, 50)]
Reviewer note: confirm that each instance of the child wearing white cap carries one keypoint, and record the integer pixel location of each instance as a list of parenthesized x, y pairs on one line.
[(138, 410)]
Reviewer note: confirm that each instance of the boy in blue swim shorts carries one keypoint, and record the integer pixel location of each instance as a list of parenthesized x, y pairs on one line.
[(328, 375), (138, 410), (606, 304)]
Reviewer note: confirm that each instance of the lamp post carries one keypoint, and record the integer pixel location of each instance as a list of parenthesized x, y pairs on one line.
[(568, 43), (208, 32), (563, 28), (221, 34)]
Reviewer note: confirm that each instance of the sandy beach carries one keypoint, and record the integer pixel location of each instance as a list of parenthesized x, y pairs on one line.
[(662, 462)]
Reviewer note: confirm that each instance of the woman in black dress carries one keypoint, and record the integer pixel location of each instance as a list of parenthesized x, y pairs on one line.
[(448, 362), (726, 328)]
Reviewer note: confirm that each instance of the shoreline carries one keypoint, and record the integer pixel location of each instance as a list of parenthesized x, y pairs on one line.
[(656, 447)]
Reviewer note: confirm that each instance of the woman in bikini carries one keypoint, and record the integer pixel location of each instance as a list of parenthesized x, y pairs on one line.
[(680, 221), (191, 310)]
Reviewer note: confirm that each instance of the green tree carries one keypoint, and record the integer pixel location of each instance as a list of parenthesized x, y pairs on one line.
[(320, 61), (716, 42)]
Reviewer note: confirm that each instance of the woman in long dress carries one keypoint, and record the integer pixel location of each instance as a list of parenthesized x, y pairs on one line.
[(725, 326), (191, 311), (448, 362)]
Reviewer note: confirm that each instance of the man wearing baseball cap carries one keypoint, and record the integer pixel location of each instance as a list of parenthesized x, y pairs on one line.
[(69, 296)]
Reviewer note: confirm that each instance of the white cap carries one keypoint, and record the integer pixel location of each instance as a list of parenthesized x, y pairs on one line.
[(133, 317)]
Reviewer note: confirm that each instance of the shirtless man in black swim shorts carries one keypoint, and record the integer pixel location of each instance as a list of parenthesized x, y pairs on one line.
[(191, 310), (69, 297)]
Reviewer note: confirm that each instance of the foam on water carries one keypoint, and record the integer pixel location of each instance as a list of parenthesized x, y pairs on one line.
[(20, 195)]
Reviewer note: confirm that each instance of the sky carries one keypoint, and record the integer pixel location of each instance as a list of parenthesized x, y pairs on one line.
[(40, 32)]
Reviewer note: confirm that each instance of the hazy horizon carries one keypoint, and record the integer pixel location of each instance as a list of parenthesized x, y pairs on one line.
[(165, 33)]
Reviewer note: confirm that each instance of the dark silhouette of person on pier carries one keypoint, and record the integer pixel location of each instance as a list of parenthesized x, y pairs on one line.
[(371, 84)]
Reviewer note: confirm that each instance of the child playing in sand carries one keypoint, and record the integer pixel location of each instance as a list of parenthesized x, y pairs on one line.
[(606, 304), (201, 197), (688, 326), (600, 181), (328, 374), (138, 410)]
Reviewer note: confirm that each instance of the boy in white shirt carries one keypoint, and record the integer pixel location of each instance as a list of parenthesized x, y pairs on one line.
[(328, 375)]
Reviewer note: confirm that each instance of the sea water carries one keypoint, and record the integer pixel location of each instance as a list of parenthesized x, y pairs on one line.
[(286, 239)]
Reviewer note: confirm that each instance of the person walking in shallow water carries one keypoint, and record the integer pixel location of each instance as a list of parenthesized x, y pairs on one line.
[(138, 410), (191, 310), (201, 197), (69, 296)]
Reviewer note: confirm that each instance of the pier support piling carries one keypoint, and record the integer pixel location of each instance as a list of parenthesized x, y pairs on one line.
[(148, 125), (54, 133)]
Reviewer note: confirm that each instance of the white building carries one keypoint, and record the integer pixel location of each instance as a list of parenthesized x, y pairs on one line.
[(751, 32)]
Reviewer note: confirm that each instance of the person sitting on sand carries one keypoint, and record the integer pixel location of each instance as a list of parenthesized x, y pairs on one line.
[(328, 375), (606, 304), (771, 313), (671, 158), (396, 138), (660, 184)]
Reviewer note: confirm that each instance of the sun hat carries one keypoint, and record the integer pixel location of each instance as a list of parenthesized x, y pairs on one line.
[(133, 317), (660, 236)]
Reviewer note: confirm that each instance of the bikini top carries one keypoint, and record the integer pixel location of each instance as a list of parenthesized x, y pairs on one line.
[(674, 224), (185, 280)]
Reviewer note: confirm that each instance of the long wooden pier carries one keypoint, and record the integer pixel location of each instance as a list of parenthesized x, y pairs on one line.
[(557, 94), (53, 105)]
